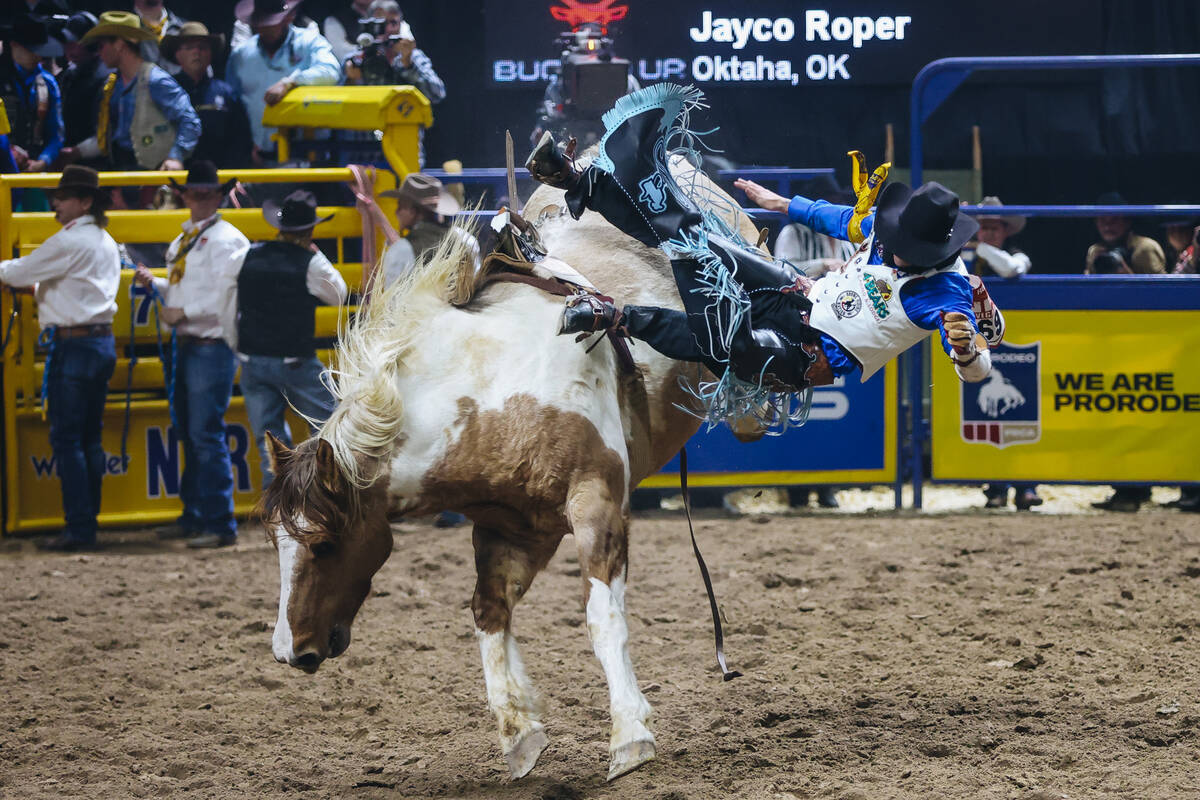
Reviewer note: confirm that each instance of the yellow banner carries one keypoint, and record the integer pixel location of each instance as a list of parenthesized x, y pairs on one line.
[(145, 489), (1088, 396)]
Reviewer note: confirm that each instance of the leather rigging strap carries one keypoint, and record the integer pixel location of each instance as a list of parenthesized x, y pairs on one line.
[(718, 634), (560, 289)]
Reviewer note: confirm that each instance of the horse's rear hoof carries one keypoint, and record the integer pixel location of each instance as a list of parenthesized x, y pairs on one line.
[(629, 757), (525, 752)]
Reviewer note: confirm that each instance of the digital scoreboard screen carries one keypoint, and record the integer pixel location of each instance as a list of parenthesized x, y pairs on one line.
[(766, 43)]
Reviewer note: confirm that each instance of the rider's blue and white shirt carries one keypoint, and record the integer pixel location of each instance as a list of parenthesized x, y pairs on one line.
[(923, 299)]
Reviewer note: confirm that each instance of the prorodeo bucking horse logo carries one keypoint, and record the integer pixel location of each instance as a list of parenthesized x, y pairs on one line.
[(1006, 408)]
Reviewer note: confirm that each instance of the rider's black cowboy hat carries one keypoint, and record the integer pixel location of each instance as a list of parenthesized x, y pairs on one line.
[(203, 175), (297, 212), (923, 227)]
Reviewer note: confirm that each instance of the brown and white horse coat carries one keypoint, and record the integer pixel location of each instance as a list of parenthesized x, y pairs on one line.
[(481, 408)]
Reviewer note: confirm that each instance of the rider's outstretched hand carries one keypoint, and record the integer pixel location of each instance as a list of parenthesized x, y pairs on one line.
[(762, 196)]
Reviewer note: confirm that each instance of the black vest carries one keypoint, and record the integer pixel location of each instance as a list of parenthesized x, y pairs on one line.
[(27, 131), (275, 310)]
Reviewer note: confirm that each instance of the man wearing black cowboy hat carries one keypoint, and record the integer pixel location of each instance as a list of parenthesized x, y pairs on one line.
[(202, 264), (82, 80), (278, 288), (32, 98), (224, 126), (769, 326), (77, 273)]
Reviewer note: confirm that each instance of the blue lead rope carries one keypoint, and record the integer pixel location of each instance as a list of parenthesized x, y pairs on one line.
[(168, 372), (46, 340)]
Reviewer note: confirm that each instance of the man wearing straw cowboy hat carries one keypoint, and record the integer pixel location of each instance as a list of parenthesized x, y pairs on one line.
[(77, 273), (202, 263), (279, 287), (224, 126), (146, 119), (423, 209), (993, 256)]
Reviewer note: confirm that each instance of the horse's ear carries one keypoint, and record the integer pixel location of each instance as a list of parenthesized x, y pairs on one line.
[(327, 468), (276, 450)]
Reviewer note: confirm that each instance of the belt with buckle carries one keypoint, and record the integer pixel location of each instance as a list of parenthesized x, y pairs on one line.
[(187, 338), (82, 331)]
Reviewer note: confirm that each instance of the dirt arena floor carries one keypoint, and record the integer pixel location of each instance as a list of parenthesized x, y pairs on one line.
[(945, 655)]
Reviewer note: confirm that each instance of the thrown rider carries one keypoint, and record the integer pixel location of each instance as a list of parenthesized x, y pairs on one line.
[(748, 314)]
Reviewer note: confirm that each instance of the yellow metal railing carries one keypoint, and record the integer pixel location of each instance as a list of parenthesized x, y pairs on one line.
[(139, 490), (397, 112)]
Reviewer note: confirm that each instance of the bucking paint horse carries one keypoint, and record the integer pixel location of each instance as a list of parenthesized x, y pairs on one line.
[(456, 393)]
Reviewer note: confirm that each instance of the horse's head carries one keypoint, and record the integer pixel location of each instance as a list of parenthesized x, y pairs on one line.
[(332, 537)]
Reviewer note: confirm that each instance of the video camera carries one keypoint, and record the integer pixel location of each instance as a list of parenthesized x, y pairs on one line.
[(1110, 261), (372, 56), (591, 77)]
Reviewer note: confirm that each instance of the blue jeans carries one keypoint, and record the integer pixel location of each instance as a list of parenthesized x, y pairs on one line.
[(203, 384), (269, 384), (75, 390)]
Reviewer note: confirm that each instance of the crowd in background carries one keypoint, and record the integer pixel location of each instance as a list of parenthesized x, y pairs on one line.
[(139, 89)]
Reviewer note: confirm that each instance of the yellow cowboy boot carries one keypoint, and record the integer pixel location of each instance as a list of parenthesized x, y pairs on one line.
[(866, 189)]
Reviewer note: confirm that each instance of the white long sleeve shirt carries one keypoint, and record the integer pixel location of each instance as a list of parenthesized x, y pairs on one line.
[(77, 272), (209, 284), (1005, 264)]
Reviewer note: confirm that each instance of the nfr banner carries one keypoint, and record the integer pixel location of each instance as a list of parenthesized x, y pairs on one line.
[(1078, 394), (850, 437), (144, 488)]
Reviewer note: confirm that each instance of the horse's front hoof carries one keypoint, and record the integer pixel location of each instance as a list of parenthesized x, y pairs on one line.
[(629, 757), (525, 752)]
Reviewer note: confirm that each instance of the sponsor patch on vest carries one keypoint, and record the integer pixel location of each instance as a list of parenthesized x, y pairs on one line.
[(848, 304), (879, 292)]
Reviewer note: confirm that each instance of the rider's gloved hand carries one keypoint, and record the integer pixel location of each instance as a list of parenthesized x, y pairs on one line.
[(960, 333)]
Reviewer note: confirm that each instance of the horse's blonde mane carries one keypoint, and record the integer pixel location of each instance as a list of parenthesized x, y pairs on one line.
[(365, 426)]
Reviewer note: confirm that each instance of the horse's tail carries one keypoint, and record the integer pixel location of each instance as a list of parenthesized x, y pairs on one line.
[(365, 427)]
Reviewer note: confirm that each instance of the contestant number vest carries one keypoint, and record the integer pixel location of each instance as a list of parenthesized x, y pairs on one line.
[(275, 310), (151, 132), (859, 306)]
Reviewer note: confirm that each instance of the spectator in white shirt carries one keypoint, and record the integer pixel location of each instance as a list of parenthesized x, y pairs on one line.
[(203, 264), (280, 285), (993, 254), (77, 273)]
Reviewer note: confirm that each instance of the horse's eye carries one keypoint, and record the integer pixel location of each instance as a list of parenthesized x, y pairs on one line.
[(322, 549)]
